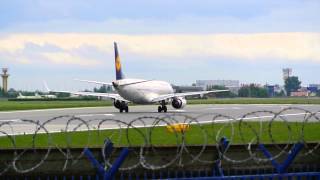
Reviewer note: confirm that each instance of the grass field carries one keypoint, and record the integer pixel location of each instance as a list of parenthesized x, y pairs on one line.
[(160, 135), (29, 105), (289, 100)]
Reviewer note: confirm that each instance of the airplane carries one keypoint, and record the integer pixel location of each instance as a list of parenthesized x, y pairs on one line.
[(49, 96), (36, 96), (139, 91)]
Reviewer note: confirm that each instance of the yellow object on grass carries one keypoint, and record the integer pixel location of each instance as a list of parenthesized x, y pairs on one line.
[(178, 128)]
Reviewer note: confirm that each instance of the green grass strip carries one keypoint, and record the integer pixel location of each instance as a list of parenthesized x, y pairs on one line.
[(196, 135), (30, 105), (256, 101)]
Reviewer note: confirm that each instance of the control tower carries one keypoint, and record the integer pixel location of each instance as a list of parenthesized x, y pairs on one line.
[(5, 76)]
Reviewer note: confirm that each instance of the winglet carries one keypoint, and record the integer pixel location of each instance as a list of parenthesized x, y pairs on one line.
[(46, 86), (119, 74)]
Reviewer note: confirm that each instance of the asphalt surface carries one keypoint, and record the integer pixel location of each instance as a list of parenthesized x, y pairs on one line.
[(17, 122)]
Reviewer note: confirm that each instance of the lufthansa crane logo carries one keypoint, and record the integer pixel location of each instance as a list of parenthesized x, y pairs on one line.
[(118, 65)]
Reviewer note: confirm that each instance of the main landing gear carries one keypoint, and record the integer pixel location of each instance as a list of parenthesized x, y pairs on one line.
[(121, 105), (125, 109), (163, 107)]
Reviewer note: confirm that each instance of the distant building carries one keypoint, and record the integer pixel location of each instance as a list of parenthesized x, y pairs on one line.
[(286, 72), (300, 94), (232, 85), (254, 84), (278, 88), (181, 89), (313, 88), (271, 90), (303, 89), (226, 83)]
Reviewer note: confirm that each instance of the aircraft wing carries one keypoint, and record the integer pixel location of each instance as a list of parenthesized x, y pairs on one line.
[(173, 95), (95, 82), (107, 95)]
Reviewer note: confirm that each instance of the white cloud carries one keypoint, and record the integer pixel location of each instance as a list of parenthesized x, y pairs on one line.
[(254, 47), (65, 58)]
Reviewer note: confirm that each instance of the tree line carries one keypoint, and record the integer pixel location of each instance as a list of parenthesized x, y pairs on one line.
[(291, 84)]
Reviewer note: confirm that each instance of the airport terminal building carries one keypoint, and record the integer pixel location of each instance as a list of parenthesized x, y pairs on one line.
[(232, 85)]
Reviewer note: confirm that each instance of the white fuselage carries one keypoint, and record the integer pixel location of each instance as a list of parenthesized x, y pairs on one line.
[(141, 91), (28, 97)]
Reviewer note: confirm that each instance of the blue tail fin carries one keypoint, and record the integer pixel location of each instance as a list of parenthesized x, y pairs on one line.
[(119, 74)]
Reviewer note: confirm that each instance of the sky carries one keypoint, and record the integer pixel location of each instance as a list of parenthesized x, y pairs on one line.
[(176, 41)]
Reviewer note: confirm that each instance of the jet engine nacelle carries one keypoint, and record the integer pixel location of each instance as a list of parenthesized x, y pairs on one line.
[(119, 104), (179, 102)]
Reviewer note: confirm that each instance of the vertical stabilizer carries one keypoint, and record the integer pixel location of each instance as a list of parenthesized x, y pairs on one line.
[(119, 74)]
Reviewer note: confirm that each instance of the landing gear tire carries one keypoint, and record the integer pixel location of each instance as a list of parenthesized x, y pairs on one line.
[(125, 109), (163, 108)]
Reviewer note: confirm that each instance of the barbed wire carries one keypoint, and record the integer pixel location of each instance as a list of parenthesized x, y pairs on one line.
[(143, 131)]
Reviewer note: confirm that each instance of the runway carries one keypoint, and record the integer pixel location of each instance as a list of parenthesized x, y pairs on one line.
[(202, 114)]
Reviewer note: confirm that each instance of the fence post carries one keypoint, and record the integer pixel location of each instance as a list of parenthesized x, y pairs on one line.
[(116, 165), (292, 155), (269, 156), (223, 146), (281, 168), (94, 161), (108, 146)]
